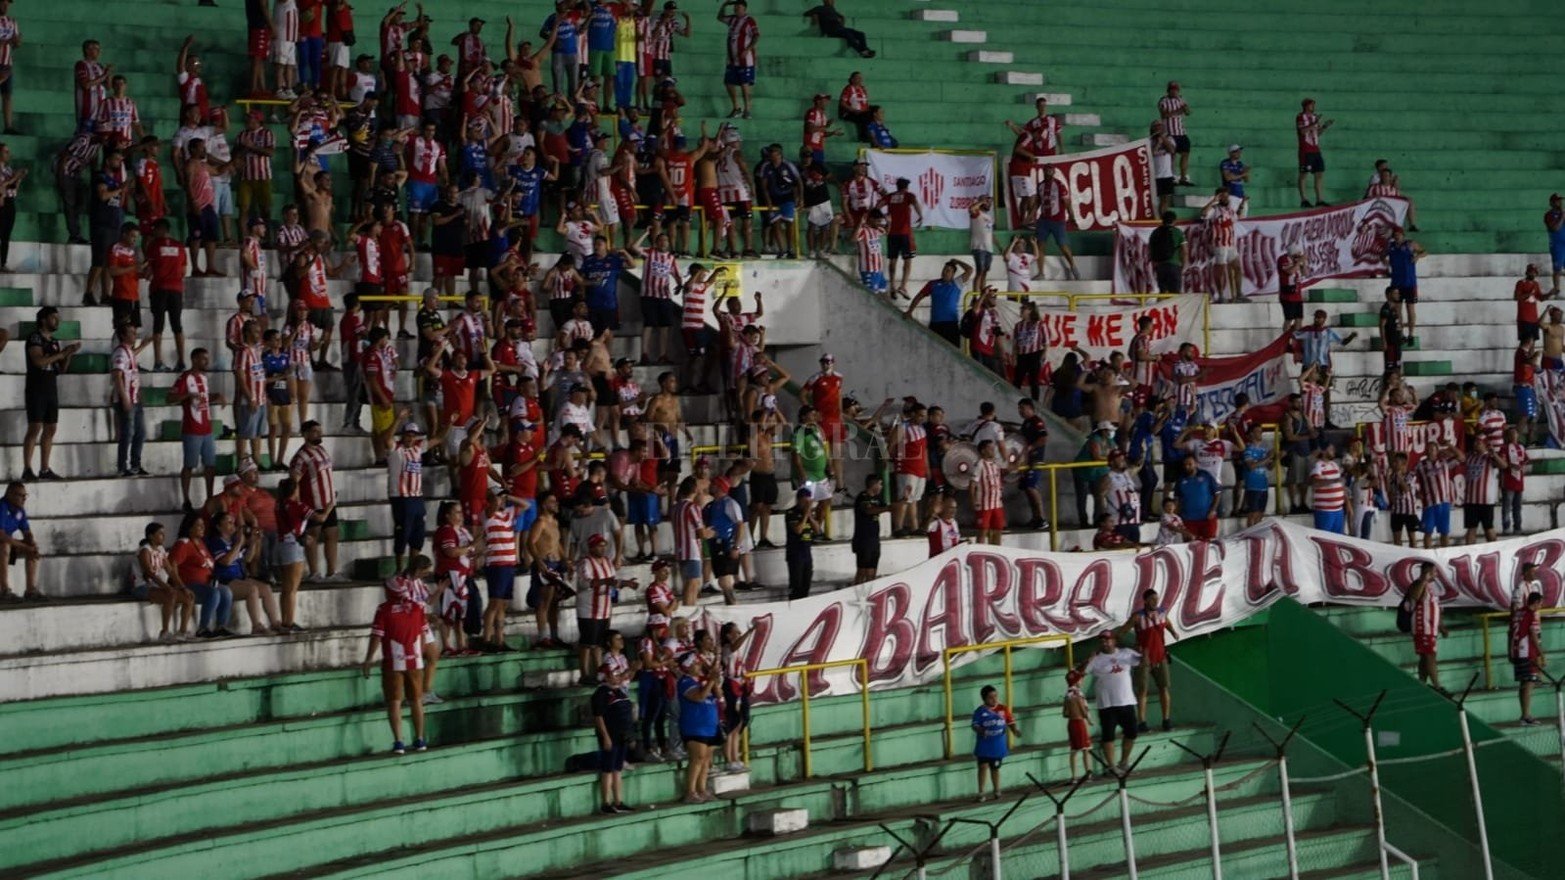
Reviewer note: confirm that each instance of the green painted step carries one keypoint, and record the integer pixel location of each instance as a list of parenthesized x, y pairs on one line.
[(16, 297), (376, 568), (1427, 368), (89, 362), (155, 395), (1358, 319), (1332, 295), (1549, 466), (170, 429), (67, 330), (353, 529), (1378, 344)]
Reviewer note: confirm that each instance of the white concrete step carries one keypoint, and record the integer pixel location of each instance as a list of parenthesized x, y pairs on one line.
[(968, 36), (945, 15), (865, 858), (770, 823), (1082, 120), (986, 56), (1102, 139), (1018, 78), (722, 782), (1055, 99)]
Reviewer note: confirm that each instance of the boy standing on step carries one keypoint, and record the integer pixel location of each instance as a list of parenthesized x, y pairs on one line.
[(992, 722), (1076, 729)]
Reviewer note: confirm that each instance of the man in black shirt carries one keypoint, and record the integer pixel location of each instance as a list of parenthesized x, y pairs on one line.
[(1167, 250), (800, 522), (614, 720), (46, 359), (867, 509), (832, 24), (448, 220)]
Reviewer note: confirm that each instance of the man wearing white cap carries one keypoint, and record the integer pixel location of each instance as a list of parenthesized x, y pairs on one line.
[(405, 490)]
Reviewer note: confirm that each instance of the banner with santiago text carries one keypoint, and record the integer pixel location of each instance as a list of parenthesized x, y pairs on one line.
[(1103, 330), (946, 183), (975, 594), (1263, 375), (1339, 242), (1102, 187)]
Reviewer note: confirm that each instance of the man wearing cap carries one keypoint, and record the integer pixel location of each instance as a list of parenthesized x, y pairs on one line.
[(46, 360), (1235, 175), (405, 490), (832, 24), (1173, 110)]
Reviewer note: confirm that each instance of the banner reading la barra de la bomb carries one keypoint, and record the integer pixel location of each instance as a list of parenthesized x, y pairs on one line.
[(946, 183), (977, 594), (1103, 330), (1339, 242), (1262, 375), (1102, 187)]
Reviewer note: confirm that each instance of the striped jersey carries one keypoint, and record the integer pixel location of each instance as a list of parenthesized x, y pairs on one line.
[(1426, 616), (1480, 476), (1397, 426), (500, 537), (1173, 120), (660, 37), (860, 194), (285, 22), (312, 467), (256, 166), (1312, 397), (660, 275), (989, 477), (594, 582), (88, 97), (943, 535), (1434, 481), (1220, 224), (695, 306), (872, 251), (1402, 493), (255, 279), (247, 363), (117, 116), (1309, 138), (659, 593), (1124, 498), (424, 158), (1491, 426), (1151, 633), (1028, 336), (405, 472), (742, 34), (123, 362), (912, 452), (687, 530), (1043, 135), (8, 31), (1382, 191), (1330, 494)]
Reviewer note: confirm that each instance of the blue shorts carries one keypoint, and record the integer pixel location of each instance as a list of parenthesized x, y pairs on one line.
[(202, 226), (1031, 479), (252, 421), (874, 282), (1557, 256), (982, 261), (1330, 521), (784, 211), (1526, 401), (737, 75), (1047, 229), (421, 196), (1437, 518), (200, 450), (1255, 500), (526, 518), (818, 157), (501, 580), (642, 509), (690, 569)]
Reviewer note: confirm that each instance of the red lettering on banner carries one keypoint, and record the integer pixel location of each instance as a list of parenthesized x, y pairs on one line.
[(946, 591), (1259, 567), (1402, 572), (991, 578), (813, 646), (890, 638), (1479, 578), (1191, 613), (1547, 556), (1102, 215), (1125, 190), (1039, 588), (1158, 570), (1091, 592), (1081, 194), (1347, 572)]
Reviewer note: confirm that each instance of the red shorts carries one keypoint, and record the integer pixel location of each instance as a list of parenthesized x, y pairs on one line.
[(624, 202), (835, 431), (449, 265), (396, 284), (1205, 529), (992, 520), (712, 206), (1424, 646), (1080, 739), (260, 43)]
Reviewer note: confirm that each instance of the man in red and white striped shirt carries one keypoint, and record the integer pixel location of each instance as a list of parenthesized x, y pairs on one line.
[(253, 151), (249, 388), (596, 580), (1402, 496), (689, 531), (1219, 217), (1491, 422), (743, 34), (860, 194), (405, 490), (1481, 478), (1309, 127), (1173, 110), (500, 562), (91, 82), (116, 120), (659, 279), (988, 493), (312, 469), (1437, 491), (1329, 493), (871, 238), (1423, 595)]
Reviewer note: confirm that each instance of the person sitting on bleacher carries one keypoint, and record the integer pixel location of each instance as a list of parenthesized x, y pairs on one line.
[(227, 547), (196, 569), (17, 542), (156, 581)]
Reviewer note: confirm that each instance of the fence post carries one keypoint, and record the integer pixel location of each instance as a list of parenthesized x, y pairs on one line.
[(1126, 832), (1061, 841), (1472, 778), (1367, 719), (1207, 762), (1287, 797)]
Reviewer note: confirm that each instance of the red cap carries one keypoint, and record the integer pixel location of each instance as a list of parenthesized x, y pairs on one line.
[(597, 541), (721, 485), (1073, 676)]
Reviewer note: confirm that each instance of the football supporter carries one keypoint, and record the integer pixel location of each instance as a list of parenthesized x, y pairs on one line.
[(17, 544), (1153, 629), (1219, 216), (1309, 127), (1481, 487), (455, 553), (1110, 668), (227, 549), (993, 726), (833, 25), (700, 721), (867, 508), (166, 263), (737, 689), (124, 275), (743, 34), (46, 360), (801, 523), (1513, 454), (154, 578), (1525, 649), (1236, 175), (130, 426), (1328, 491), (987, 493), (724, 519), (614, 720), (195, 565), (405, 490), (399, 633), (597, 584), (909, 446), (1197, 494), (1402, 256), (1021, 264), (1077, 732), (500, 564), (192, 394), (1436, 492), (1173, 110), (1168, 250), (1423, 600), (312, 468), (901, 206)]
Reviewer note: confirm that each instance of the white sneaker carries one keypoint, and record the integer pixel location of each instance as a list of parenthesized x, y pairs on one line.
[(340, 577), (432, 698), (737, 767)]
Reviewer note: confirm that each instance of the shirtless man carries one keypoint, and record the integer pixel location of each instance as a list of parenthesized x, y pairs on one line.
[(548, 571), (599, 367), (315, 190), (1554, 340), (767, 377), (1107, 396), (713, 215), (763, 470), (665, 415), (524, 59)]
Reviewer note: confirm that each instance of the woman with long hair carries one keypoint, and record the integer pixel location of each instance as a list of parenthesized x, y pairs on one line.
[(699, 726), (294, 515), (196, 568), (155, 580), (228, 557)]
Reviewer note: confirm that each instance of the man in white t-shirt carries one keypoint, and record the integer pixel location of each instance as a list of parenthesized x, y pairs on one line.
[(1110, 668)]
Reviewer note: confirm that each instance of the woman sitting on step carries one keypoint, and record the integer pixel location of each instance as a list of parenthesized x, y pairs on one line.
[(196, 568), (155, 580), (229, 571)]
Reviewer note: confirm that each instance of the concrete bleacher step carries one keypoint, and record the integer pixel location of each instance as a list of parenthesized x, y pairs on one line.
[(940, 15), (1408, 344), (1018, 78), (989, 56), (860, 858), (1104, 139), (773, 823), (1427, 368), (967, 36), (1331, 295), (1083, 120), (1055, 99)]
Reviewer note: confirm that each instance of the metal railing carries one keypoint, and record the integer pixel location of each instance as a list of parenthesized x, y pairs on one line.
[(1484, 623), (804, 670), (1005, 647)]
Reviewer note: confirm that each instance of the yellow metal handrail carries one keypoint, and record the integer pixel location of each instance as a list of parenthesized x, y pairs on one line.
[(1483, 626), (804, 669), (1005, 647), (1054, 493)]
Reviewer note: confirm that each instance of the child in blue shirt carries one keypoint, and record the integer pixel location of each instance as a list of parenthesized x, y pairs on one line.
[(991, 722)]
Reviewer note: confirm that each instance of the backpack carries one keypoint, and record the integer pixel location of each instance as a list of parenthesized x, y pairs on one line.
[(1405, 615), (968, 323)]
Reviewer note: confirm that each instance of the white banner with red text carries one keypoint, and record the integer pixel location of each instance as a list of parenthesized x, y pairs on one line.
[(1422, 435), (1102, 187), (947, 182), (1101, 330), (1338, 242), (1549, 387), (976, 594), (1261, 375)]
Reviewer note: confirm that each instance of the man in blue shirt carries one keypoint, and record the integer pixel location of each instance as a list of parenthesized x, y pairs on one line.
[(945, 300), (1316, 340), (564, 68), (779, 186), (527, 180), (1197, 494), (602, 20), (601, 269), (17, 542), (1257, 460), (1402, 256), (723, 516), (1235, 175), (1554, 222)]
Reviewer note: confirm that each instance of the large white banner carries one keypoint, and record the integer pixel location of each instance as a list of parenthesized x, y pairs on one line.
[(1103, 330), (1261, 375), (977, 594), (1338, 242), (1549, 387), (946, 183), (1102, 187)]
